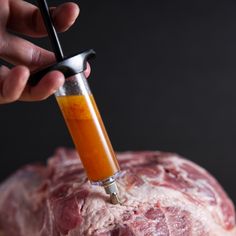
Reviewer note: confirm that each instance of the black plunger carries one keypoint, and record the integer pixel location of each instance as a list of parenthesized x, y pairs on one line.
[(43, 6), (68, 66)]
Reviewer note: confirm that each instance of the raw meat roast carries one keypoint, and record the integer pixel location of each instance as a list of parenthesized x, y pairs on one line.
[(162, 195)]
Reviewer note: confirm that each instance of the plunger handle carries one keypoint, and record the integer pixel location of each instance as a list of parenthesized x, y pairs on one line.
[(55, 43)]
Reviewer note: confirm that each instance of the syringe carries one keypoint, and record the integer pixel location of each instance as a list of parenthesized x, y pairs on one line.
[(81, 114)]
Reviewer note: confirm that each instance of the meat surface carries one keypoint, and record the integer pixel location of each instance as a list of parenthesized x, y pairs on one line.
[(162, 194)]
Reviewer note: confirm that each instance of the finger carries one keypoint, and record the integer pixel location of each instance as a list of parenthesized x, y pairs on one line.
[(3, 72), (16, 50), (26, 18), (12, 83), (87, 71), (46, 87)]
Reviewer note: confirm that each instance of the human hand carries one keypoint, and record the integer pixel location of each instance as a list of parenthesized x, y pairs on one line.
[(24, 18)]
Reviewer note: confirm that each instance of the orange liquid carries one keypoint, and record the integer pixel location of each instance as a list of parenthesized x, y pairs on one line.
[(89, 135)]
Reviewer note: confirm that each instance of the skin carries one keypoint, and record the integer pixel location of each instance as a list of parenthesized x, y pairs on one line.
[(25, 19)]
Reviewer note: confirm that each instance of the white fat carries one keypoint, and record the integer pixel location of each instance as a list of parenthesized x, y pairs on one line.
[(145, 196), (100, 216), (107, 215)]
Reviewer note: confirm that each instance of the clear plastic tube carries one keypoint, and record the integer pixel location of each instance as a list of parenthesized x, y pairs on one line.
[(88, 132)]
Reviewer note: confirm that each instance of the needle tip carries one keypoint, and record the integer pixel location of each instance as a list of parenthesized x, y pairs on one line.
[(115, 199), (112, 190)]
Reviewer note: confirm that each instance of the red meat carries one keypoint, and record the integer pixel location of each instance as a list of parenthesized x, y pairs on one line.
[(162, 194)]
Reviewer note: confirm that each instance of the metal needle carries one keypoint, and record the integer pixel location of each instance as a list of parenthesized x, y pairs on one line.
[(115, 199)]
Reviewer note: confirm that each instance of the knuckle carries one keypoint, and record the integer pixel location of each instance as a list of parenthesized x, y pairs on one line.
[(36, 57)]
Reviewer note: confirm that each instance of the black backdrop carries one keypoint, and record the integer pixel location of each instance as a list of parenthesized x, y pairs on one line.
[(164, 79)]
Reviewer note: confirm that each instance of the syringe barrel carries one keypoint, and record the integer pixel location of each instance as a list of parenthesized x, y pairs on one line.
[(87, 129)]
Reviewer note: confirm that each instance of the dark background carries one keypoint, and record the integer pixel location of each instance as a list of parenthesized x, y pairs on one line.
[(164, 79)]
